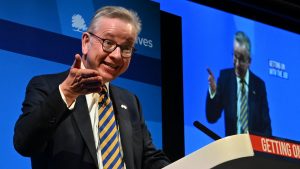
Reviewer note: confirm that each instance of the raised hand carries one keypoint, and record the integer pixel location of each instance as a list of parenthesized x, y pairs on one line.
[(80, 81), (211, 81)]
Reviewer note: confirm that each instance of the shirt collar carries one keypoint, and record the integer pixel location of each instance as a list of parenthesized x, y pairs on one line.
[(246, 77)]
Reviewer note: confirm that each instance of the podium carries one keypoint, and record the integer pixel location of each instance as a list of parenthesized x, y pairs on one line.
[(243, 151)]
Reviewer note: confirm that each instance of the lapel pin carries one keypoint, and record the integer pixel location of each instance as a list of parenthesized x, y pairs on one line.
[(124, 106)]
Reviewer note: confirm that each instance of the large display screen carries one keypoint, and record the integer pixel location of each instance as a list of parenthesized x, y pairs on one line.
[(208, 43)]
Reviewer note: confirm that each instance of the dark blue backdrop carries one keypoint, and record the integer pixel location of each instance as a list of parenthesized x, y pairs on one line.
[(41, 37)]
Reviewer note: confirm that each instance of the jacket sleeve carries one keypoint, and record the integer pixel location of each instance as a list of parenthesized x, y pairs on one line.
[(266, 120), (43, 108), (214, 108), (152, 157)]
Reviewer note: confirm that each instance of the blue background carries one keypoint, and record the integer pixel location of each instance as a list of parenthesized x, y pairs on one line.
[(207, 42), (37, 37)]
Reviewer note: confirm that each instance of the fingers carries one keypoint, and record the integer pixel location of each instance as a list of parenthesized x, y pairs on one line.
[(80, 81), (83, 81), (86, 73), (210, 72), (211, 80), (77, 62), (211, 76), (87, 81)]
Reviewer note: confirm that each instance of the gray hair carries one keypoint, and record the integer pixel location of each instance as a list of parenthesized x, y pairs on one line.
[(116, 12), (243, 40)]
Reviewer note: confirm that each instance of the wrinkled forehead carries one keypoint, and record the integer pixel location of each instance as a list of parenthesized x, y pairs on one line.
[(106, 20), (241, 52), (115, 27)]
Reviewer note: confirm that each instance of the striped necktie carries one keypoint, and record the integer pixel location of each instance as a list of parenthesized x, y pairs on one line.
[(108, 133), (244, 108)]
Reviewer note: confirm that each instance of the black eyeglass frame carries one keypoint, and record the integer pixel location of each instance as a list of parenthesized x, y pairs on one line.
[(102, 41)]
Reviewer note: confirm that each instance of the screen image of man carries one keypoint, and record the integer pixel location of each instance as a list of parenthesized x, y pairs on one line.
[(240, 94), (77, 119)]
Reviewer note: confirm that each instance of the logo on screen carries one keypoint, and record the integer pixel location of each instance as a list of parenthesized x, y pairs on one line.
[(78, 23), (278, 69), (144, 42)]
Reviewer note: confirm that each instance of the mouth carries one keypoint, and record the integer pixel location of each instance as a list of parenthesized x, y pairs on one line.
[(110, 65)]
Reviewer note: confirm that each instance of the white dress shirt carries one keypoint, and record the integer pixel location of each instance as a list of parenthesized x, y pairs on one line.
[(92, 104), (239, 97)]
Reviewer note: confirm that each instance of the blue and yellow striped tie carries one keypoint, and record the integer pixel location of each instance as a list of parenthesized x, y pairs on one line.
[(108, 133), (244, 109)]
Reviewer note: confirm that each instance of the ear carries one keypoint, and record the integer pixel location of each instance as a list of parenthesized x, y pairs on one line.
[(85, 43)]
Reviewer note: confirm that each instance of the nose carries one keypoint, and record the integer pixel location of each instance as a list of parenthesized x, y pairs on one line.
[(238, 63), (117, 53)]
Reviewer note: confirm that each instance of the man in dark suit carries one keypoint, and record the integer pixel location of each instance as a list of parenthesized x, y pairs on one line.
[(228, 92), (59, 125)]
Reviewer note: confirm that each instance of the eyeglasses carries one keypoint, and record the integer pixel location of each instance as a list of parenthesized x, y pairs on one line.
[(110, 45), (242, 58)]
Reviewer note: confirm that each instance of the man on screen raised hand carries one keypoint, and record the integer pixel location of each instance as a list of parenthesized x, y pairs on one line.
[(240, 94)]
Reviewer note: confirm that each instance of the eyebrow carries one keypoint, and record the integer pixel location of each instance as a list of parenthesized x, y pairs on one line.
[(111, 36)]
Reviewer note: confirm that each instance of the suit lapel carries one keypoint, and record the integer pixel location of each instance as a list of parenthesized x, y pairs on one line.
[(251, 97), (125, 128), (82, 118), (233, 94)]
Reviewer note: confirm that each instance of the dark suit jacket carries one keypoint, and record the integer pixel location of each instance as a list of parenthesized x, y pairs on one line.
[(58, 138), (226, 99)]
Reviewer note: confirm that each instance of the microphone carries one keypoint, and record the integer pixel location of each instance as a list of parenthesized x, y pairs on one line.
[(206, 130)]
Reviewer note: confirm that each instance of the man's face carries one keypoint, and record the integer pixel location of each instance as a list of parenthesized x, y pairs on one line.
[(241, 61), (109, 64)]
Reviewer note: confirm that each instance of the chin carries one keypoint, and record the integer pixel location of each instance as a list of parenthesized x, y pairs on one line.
[(108, 78), (238, 74)]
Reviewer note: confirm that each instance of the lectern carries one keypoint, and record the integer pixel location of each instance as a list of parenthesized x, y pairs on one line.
[(243, 151)]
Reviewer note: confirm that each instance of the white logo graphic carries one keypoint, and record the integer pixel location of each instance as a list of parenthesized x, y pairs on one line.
[(144, 42), (278, 69), (78, 23)]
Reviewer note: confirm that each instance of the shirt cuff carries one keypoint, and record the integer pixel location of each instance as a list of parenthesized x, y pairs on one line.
[(71, 107), (211, 94)]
